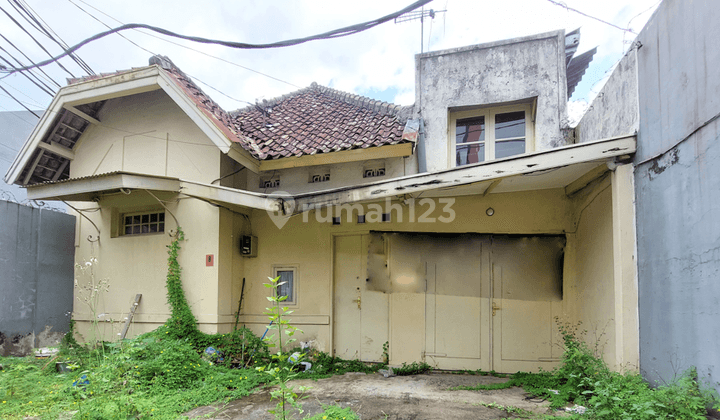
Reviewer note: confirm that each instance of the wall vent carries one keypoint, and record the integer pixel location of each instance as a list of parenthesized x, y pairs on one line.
[(269, 183), (319, 178), (372, 173)]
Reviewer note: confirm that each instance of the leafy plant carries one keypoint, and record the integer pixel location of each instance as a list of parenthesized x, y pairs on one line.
[(334, 412), (386, 352), (413, 368), (281, 371)]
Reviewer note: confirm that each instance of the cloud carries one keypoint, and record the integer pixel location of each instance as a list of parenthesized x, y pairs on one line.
[(373, 61)]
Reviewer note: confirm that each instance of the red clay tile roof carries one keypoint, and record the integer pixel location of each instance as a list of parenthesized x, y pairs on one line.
[(318, 119), (313, 120)]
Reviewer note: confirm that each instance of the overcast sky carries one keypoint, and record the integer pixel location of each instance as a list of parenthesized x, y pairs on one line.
[(378, 63)]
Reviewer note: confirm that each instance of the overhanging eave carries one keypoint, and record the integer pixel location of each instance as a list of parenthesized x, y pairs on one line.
[(538, 166)]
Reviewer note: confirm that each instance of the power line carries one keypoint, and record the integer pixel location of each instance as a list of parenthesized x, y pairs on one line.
[(31, 16), (176, 44), (39, 44), (39, 83), (19, 101), (561, 4), (337, 33), (146, 50), (23, 94), (28, 58)]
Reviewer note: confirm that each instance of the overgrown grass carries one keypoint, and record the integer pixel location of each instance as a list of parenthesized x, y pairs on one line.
[(148, 376), (583, 378)]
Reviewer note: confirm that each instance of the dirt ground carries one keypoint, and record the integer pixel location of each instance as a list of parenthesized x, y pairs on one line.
[(417, 397)]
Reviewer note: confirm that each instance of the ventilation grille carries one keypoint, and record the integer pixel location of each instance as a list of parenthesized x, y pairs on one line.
[(269, 183), (319, 178), (372, 173)]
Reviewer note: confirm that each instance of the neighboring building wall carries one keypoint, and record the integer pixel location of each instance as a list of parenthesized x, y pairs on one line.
[(677, 181), (36, 277), (523, 69), (614, 112), (16, 127)]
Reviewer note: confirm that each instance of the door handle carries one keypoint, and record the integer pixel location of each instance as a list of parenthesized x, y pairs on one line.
[(495, 308)]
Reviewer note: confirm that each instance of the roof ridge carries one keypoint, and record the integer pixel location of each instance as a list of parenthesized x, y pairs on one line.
[(377, 106)]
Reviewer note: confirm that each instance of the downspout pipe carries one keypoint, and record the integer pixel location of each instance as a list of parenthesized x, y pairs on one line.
[(421, 156)]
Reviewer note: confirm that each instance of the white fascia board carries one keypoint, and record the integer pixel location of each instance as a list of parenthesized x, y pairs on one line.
[(98, 184), (144, 79), (601, 150), (225, 195)]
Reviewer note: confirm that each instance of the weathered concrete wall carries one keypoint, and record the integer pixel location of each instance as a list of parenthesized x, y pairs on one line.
[(522, 69), (36, 277), (614, 112), (678, 191)]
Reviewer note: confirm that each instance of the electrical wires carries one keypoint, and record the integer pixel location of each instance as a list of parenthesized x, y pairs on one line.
[(349, 30)]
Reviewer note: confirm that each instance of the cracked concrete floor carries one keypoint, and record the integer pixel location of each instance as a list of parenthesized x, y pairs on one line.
[(417, 397)]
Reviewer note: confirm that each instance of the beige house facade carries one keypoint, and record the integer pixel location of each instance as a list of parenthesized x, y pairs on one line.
[(458, 230)]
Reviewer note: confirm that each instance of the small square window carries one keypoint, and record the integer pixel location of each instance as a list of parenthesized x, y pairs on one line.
[(386, 217), (139, 224), (336, 220), (361, 219)]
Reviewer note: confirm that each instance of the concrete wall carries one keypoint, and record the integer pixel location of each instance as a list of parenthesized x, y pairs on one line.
[(589, 278), (522, 69), (36, 277), (678, 191), (296, 180), (148, 133), (614, 112)]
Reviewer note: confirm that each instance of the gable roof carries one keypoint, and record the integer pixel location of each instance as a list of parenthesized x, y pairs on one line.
[(311, 121), (319, 119)]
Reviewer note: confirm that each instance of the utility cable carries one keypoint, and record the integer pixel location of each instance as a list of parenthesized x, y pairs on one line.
[(18, 101), (39, 83), (177, 44), (28, 58), (151, 52), (45, 29), (39, 44), (561, 4), (337, 33), (35, 103)]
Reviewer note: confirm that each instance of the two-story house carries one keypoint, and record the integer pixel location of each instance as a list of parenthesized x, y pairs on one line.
[(456, 230)]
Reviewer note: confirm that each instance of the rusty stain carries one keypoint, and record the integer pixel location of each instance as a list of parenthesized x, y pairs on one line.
[(378, 192), (660, 164)]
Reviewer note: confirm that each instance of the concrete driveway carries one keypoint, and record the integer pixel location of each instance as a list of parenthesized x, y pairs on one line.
[(417, 397)]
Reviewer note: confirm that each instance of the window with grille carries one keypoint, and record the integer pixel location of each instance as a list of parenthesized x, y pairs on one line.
[(143, 223)]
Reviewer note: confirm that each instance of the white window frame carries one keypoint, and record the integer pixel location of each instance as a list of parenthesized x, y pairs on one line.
[(489, 113), (143, 213), (295, 271)]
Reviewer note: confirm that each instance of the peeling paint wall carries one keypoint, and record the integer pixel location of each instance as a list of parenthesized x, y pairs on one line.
[(614, 112), (36, 277), (522, 69), (678, 191)]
